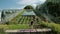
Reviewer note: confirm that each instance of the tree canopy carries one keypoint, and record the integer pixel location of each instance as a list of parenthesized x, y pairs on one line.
[(53, 8), (28, 7)]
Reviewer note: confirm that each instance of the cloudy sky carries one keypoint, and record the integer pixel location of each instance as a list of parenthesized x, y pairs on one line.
[(18, 4)]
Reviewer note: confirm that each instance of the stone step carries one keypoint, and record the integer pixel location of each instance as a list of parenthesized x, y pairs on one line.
[(29, 30)]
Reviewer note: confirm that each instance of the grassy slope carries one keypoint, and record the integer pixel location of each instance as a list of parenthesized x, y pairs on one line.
[(15, 26), (15, 19), (53, 26)]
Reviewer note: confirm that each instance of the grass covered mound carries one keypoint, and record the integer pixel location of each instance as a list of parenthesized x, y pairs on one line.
[(15, 18)]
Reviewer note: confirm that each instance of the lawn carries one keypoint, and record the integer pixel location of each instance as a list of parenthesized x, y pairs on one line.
[(53, 26), (18, 26), (13, 26)]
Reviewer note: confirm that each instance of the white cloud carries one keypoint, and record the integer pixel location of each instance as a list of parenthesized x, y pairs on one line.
[(27, 2), (30, 2), (16, 8), (42, 1)]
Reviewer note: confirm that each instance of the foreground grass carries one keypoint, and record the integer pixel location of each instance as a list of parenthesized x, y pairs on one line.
[(53, 26), (13, 27), (17, 26)]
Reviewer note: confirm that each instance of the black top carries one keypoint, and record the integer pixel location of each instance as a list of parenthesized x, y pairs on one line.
[(31, 22)]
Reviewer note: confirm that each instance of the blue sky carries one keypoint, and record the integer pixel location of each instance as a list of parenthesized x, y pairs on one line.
[(18, 4)]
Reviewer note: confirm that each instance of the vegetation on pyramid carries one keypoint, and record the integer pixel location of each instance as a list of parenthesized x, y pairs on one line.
[(28, 7)]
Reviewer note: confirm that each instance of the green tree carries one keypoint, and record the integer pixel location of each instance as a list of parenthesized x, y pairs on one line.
[(53, 8), (28, 7)]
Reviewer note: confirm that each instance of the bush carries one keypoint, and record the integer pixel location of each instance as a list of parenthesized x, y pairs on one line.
[(53, 26)]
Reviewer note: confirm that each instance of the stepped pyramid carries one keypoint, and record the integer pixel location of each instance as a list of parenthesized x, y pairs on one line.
[(28, 13)]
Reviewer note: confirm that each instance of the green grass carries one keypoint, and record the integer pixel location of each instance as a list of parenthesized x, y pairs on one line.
[(18, 16), (25, 20), (53, 26), (12, 27), (19, 26)]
